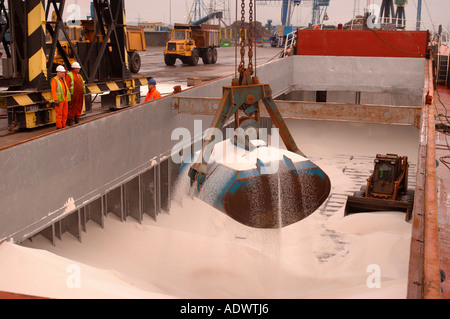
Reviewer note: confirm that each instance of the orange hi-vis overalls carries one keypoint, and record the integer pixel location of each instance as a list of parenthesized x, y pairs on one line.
[(61, 96), (77, 90), (152, 95)]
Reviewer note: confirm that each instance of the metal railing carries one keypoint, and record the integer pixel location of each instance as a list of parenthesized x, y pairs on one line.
[(289, 44), (410, 24)]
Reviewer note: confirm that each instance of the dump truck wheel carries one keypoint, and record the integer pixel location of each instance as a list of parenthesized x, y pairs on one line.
[(135, 62), (214, 56), (194, 58), (169, 60), (207, 57)]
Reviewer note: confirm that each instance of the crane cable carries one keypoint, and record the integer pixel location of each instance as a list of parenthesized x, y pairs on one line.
[(242, 38), (251, 36)]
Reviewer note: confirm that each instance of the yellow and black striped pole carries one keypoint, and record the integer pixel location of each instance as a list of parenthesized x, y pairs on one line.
[(37, 61), (125, 53)]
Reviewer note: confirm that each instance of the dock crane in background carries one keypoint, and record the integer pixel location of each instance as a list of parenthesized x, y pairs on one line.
[(287, 9), (387, 11), (319, 11), (197, 12), (213, 15), (419, 14), (280, 33), (389, 16), (200, 14)]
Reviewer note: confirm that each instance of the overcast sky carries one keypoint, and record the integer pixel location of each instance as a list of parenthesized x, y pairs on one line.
[(176, 11)]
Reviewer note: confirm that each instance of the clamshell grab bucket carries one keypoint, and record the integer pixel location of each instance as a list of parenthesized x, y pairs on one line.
[(267, 188)]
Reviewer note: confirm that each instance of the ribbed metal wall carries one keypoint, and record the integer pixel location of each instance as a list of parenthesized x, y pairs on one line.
[(119, 163)]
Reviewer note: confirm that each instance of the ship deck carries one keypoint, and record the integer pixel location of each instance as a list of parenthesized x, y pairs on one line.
[(93, 183), (442, 102)]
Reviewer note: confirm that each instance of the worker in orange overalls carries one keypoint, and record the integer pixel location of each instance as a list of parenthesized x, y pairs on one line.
[(152, 94), (61, 96), (75, 82)]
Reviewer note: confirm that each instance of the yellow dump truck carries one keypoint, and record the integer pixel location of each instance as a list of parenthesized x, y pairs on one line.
[(85, 33), (191, 42), (135, 43)]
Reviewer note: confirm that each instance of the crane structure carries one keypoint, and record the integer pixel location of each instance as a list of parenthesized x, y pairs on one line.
[(319, 9), (234, 195), (287, 9), (280, 33), (201, 13), (223, 6), (198, 10), (35, 39), (387, 11), (356, 8), (419, 14), (398, 18)]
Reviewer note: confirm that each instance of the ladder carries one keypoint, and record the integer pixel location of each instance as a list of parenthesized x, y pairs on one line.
[(442, 69)]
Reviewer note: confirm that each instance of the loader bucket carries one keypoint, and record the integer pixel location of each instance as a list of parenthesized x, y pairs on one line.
[(357, 204), (264, 197)]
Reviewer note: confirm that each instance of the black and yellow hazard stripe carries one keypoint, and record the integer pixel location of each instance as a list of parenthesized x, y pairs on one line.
[(24, 99), (129, 88), (32, 98), (30, 107), (99, 88), (140, 82), (37, 61), (125, 53)]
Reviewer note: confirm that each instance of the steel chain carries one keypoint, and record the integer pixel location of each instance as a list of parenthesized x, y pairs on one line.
[(242, 34), (250, 37)]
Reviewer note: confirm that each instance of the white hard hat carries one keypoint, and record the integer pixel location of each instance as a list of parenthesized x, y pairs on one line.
[(60, 68), (76, 65)]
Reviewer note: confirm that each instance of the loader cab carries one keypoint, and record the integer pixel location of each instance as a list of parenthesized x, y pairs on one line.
[(386, 189), (382, 178), (386, 171)]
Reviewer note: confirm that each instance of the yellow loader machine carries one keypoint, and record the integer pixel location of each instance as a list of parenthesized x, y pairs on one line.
[(386, 188)]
